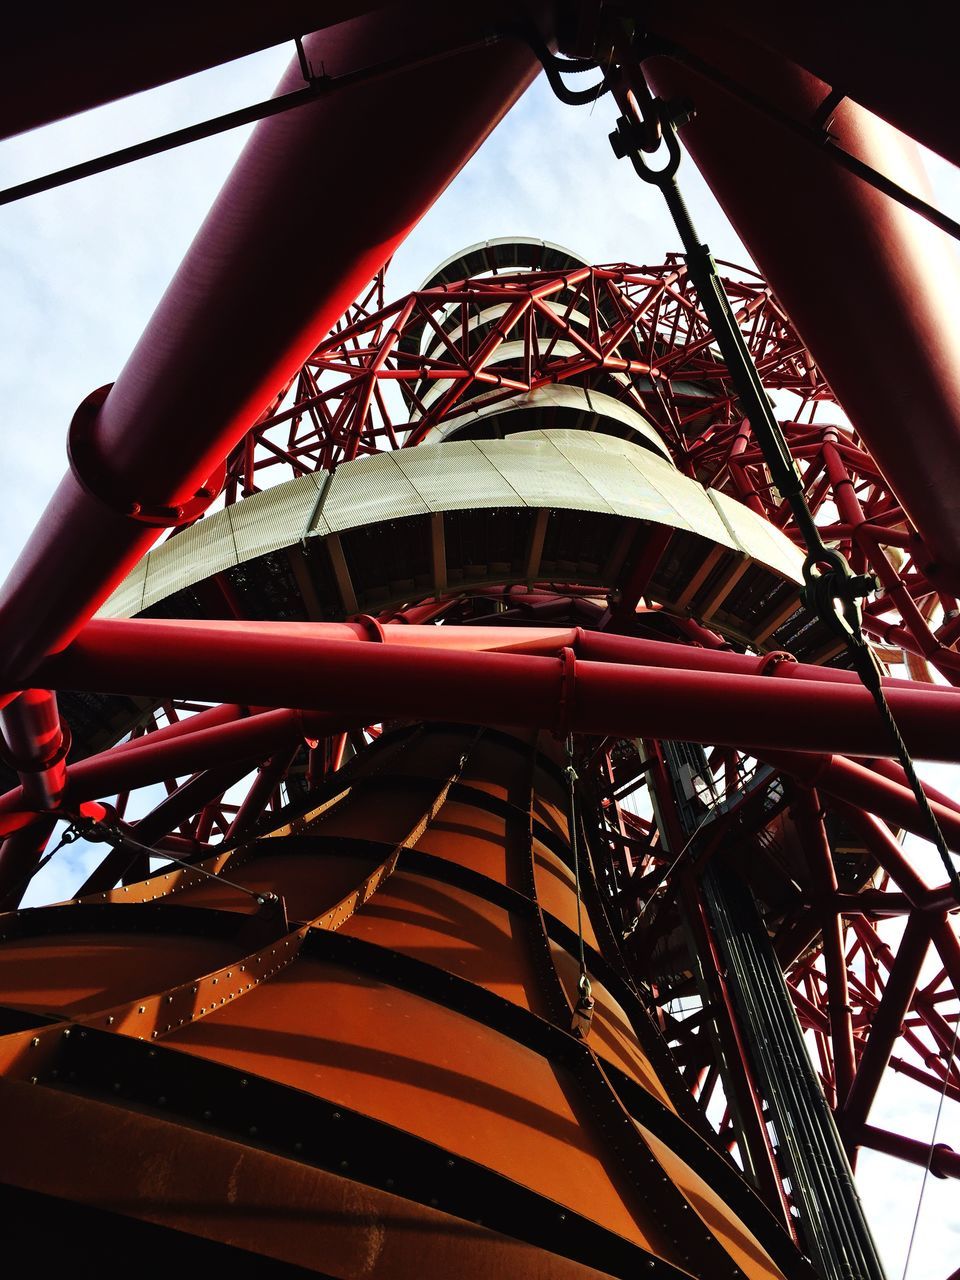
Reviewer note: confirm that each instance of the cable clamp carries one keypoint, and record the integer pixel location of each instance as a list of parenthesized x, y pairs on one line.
[(583, 1009), (647, 125), (832, 592)]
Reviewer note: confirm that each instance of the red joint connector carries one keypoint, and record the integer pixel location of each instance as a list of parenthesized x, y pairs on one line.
[(767, 666), (81, 455), (372, 627)]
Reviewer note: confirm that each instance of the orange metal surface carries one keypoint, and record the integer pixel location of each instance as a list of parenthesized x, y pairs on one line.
[(206, 1185), (420, 1063)]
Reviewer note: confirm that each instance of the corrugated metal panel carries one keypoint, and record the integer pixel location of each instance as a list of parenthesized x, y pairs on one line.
[(275, 518), (623, 477), (551, 401), (369, 490), (127, 600), (759, 538), (505, 253), (562, 471), (540, 474), (205, 548), (457, 477)]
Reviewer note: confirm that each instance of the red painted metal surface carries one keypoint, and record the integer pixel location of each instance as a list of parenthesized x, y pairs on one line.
[(219, 662), (304, 731), (124, 50), (902, 71), (245, 293), (879, 270)]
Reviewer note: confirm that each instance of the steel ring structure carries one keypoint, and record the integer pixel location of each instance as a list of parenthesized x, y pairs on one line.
[(522, 879)]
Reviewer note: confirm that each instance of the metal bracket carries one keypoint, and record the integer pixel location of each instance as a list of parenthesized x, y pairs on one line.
[(81, 455)]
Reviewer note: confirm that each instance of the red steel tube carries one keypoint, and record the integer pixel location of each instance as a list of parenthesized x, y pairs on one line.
[(274, 264), (893, 770), (817, 847), (599, 646), (132, 634), (871, 288), (851, 781), (37, 746), (944, 1161), (123, 48), (888, 853), (260, 792), (279, 667), (153, 758), (226, 713), (900, 67), (934, 903), (19, 854), (893, 1007)]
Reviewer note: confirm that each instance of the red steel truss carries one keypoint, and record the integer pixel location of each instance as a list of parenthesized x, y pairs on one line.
[(257, 719)]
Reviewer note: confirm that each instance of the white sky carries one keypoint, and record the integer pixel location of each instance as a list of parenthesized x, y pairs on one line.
[(82, 268)]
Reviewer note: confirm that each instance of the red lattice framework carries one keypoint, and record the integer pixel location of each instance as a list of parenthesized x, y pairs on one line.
[(640, 334), (874, 969)]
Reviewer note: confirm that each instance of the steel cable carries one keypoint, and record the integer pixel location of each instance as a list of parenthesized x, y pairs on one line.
[(828, 579)]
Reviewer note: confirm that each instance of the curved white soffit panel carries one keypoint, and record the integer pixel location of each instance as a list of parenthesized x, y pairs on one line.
[(557, 470), (562, 396)]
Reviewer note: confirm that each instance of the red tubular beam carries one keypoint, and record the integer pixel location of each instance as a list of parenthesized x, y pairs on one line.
[(871, 268), (254, 802), (37, 747), (817, 848), (153, 758), (127, 48), (174, 809), (874, 903), (925, 1078), (903, 70), (19, 855), (284, 667), (850, 781), (944, 1161), (603, 647), (262, 283), (893, 1007), (226, 713), (140, 634), (888, 853), (893, 770)]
